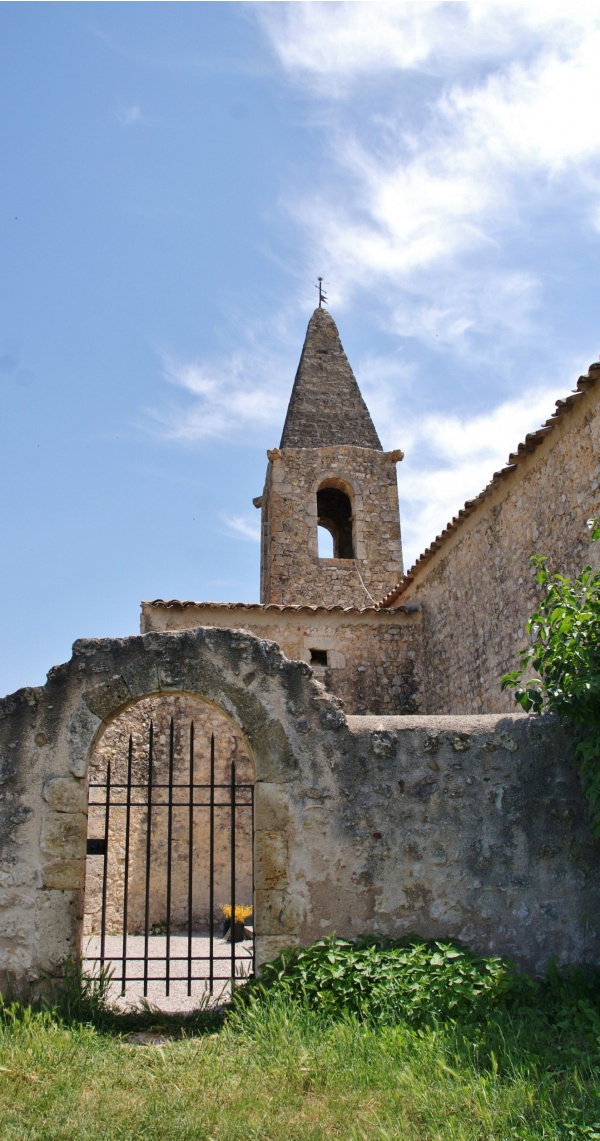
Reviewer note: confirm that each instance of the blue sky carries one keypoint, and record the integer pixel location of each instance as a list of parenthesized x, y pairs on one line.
[(175, 177)]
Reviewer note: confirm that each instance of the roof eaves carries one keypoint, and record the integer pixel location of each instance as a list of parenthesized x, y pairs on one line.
[(178, 604)]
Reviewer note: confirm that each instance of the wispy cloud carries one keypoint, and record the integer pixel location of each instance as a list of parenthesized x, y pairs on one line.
[(234, 397), (129, 116), (243, 526), (345, 41), (423, 191)]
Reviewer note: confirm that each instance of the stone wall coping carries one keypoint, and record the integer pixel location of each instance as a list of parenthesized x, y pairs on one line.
[(455, 723)]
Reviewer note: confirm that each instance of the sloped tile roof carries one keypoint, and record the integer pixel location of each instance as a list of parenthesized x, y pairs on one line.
[(177, 604)]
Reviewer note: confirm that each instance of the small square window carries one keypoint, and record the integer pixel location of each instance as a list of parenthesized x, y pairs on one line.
[(318, 657)]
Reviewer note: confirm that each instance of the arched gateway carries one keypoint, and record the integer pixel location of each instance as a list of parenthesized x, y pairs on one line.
[(170, 853), (51, 733)]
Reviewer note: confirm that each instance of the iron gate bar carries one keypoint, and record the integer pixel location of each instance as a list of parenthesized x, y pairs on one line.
[(253, 887), (163, 804), (126, 869), (190, 858), (148, 842), (232, 924), (176, 804), (211, 864), (105, 867), (169, 855)]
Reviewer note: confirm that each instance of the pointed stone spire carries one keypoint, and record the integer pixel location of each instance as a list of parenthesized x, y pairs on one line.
[(326, 406)]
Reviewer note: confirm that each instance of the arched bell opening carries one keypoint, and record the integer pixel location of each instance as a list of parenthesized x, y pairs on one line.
[(170, 851), (335, 516)]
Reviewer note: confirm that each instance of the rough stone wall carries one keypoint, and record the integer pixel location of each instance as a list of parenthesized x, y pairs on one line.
[(291, 570), (478, 589), (48, 734), (471, 828), (373, 656), (113, 747)]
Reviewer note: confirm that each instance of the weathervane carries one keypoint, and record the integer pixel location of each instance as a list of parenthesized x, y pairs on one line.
[(322, 294)]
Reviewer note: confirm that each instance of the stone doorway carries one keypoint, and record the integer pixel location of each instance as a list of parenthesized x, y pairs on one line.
[(170, 850)]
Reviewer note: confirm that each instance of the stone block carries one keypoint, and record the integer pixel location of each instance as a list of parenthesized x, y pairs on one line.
[(64, 834), (81, 730), (268, 947), (271, 851), (58, 918), (67, 875), (65, 794), (271, 807), (275, 913), (104, 699)]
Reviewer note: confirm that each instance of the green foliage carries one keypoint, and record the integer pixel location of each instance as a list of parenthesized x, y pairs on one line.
[(412, 981), (565, 652), (276, 1069), (82, 998)]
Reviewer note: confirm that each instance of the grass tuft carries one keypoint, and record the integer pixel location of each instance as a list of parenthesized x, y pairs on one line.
[(282, 1067)]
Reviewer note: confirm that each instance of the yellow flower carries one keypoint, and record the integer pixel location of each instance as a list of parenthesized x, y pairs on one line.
[(241, 912)]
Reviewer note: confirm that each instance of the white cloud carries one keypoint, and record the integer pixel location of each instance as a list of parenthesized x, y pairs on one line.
[(425, 189), (243, 526), (335, 43), (127, 116), (233, 397)]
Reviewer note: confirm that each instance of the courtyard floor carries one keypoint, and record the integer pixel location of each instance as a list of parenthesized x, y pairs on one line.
[(178, 1000)]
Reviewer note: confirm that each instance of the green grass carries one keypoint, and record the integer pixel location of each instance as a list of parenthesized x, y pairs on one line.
[(280, 1070)]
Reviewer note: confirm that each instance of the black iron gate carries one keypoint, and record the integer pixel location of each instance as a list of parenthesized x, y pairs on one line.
[(142, 814)]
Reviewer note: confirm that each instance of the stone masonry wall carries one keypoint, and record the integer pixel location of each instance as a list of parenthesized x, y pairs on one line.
[(472, 828), (291, 570), (478, 589), (373, 656), (113, 747)]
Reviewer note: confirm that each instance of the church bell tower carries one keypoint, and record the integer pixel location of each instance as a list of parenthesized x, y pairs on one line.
[(329, 475)]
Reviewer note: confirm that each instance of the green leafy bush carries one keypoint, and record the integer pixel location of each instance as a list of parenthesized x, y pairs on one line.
[(565, 652), (411, 981)]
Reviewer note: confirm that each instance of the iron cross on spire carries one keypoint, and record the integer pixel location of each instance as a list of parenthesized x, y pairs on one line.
[(322, 294)]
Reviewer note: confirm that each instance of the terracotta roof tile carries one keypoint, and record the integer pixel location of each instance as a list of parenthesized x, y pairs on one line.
[(177, 604)]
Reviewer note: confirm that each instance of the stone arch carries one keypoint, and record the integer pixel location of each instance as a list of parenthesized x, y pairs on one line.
[(49, 733), (350, 488), (335, 513), (112, 747)]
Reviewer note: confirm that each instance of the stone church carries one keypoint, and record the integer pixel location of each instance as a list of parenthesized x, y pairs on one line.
[(433, 640), (390, 786)]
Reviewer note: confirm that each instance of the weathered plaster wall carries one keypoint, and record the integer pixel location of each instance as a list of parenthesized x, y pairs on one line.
[(291, 570), (477, 590), (472, 828), (373, 655)]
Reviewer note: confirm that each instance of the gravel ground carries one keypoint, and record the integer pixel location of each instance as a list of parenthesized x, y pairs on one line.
[(178, 999)]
